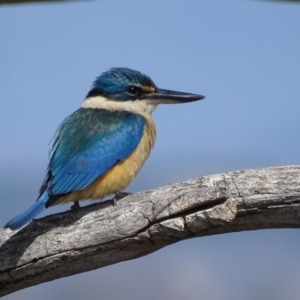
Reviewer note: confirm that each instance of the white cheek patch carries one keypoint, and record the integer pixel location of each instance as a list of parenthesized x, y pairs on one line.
[(137, 106), (151, 108)]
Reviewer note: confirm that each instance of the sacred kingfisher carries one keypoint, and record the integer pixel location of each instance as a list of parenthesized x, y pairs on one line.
[(100, 148)]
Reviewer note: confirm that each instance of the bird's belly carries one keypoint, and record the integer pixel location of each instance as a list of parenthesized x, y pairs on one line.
[(118, 177)]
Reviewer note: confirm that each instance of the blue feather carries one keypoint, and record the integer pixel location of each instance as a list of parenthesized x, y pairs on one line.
[(87, 144), (35, 209), (112, 84)]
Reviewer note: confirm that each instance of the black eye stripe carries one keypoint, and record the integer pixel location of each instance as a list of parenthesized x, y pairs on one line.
[(133, 90)]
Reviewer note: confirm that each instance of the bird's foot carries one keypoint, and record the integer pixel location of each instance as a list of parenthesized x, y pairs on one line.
[(118, 196), (75, 206)]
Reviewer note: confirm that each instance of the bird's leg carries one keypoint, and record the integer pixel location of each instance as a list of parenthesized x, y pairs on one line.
[(75, 205), (119, 195)]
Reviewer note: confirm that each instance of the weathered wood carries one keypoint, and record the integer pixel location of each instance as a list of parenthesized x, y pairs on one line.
[(101, 234)]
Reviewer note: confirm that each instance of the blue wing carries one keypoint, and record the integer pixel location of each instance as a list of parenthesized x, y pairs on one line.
[(86, 145)]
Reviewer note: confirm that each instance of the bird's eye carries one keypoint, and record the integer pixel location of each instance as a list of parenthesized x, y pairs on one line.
[(133, 90)]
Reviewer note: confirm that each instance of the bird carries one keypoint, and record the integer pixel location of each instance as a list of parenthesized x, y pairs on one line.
[(99, 149)]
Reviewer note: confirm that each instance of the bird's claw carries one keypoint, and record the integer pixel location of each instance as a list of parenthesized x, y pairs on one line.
[(75, 206), (118, 196)]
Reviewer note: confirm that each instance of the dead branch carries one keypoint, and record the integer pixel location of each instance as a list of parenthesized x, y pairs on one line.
[(99, 235)]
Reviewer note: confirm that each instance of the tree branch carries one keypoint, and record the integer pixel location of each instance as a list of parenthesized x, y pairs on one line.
[(100, 234)]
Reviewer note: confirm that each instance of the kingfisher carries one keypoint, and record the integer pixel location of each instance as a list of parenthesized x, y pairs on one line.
[(99, 149)]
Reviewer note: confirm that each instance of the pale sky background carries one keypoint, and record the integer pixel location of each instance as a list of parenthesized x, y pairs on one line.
[(243, 55)]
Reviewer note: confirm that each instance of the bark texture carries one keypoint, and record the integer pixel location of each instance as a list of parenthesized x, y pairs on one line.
[(101, 234)]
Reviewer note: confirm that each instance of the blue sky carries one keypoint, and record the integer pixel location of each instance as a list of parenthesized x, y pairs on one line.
[(243, 55)]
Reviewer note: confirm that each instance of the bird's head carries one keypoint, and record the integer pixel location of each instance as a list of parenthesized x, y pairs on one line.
[(122, 88)]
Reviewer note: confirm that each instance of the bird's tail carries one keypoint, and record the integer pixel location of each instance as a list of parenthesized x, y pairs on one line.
[(35, 209)]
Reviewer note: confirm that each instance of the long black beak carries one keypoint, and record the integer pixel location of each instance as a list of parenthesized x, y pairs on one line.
[(169, 97)]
